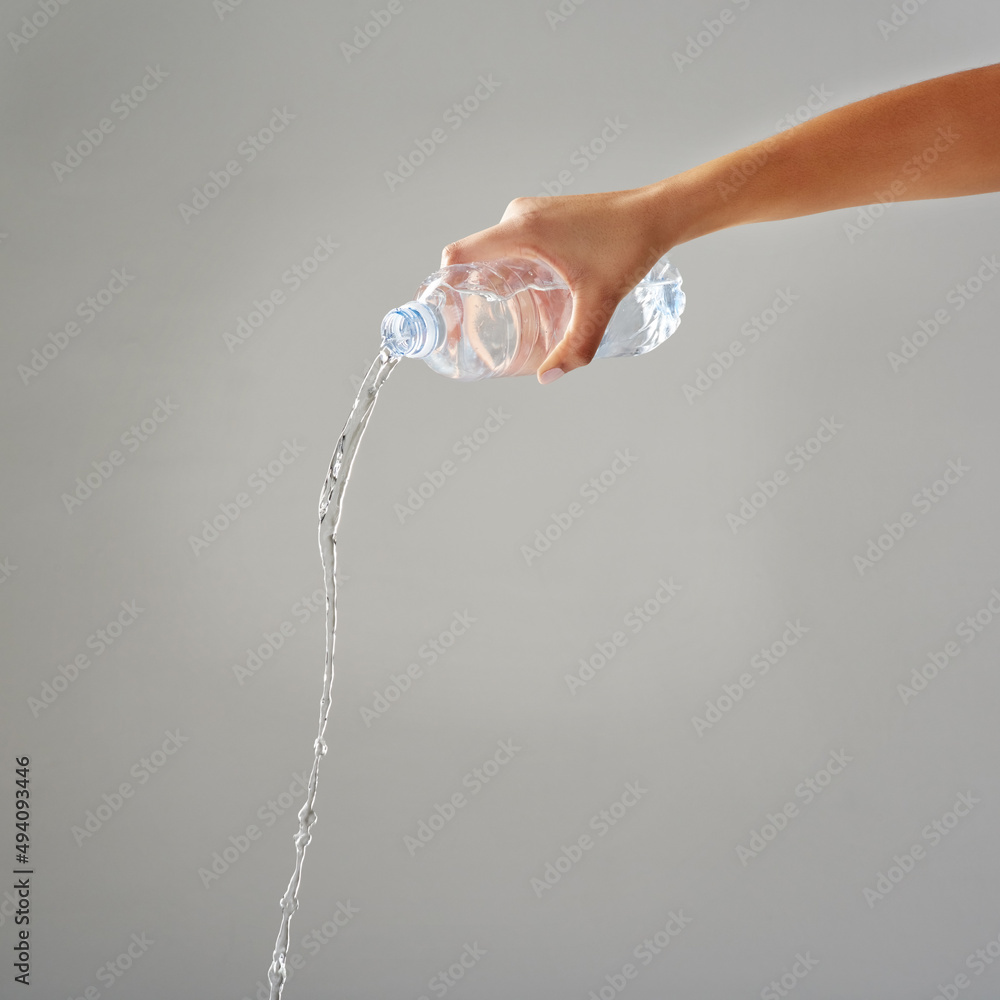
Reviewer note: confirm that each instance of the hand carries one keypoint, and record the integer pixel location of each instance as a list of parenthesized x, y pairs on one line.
[(602, 245)]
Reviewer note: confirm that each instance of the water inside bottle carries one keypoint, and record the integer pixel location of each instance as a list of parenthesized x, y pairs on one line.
[(476, 325), (330, 503)]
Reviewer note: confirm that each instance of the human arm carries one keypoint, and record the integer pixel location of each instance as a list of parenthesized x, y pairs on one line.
[(939, 138)]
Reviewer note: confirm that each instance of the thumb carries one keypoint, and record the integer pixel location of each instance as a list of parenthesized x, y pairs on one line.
[(497, 241), (592, 311)]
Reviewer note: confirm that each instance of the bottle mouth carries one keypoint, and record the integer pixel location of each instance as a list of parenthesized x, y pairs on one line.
[(411, 331)]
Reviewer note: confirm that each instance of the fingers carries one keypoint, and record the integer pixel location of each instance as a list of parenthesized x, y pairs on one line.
[(591, 314)]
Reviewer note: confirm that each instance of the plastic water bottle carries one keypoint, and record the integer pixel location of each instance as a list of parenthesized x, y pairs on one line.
[(503, 317)]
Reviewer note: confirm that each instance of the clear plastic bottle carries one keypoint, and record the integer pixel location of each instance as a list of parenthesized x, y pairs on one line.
[(503, 317)]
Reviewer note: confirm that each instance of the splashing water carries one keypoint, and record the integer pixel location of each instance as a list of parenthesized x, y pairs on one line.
[(330, 502)]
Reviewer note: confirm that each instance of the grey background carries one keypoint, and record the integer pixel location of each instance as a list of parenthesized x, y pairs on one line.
[(294, 379)]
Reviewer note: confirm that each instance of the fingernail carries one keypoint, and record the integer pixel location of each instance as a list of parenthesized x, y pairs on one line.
[(550, 376)]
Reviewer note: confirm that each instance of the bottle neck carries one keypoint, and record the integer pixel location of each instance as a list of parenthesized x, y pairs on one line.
[(413, 330)]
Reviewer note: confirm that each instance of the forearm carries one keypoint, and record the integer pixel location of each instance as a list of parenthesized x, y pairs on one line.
[(936, 139)]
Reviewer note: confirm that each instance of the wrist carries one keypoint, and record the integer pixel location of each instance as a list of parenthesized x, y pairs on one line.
[(694, 203), (728, 191)]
